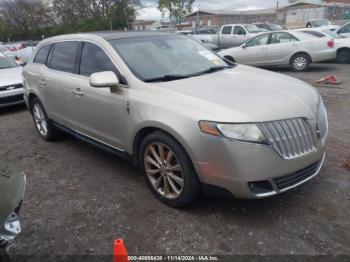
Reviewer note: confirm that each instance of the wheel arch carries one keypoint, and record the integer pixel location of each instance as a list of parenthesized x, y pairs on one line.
[(149, 128), (300, 53)]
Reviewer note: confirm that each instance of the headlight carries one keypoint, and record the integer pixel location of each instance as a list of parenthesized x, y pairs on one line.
[(241, 132), (322, 122)]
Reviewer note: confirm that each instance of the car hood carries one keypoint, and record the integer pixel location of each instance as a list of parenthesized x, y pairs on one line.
[(11, 76), (248, 94)]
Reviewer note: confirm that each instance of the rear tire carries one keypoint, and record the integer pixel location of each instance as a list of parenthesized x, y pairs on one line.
[(168, 170), (42, 123), (343, 56), (300, 63)]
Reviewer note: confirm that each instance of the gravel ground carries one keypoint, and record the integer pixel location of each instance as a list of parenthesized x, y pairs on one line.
[(79, 199)]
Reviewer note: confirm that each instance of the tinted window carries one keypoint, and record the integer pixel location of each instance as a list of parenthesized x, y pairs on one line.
[(314, 33), (259, 40), (41, 56), (238, 31), (281, 38), (227, 30), (64, 56), (94, 60)]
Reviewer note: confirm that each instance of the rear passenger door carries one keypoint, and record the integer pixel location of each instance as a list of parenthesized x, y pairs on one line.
[(98, 112), (282, 46), (59, 79)]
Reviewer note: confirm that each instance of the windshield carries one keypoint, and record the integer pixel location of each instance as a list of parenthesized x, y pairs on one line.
[(166, 57), (332, 34), (6, 62), (252, 28), (319, 23)]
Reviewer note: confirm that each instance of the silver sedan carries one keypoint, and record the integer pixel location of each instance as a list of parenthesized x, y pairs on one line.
[(283, 48)]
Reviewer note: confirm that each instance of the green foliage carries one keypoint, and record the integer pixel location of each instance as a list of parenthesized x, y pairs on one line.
[(33, 19), (177, 9)]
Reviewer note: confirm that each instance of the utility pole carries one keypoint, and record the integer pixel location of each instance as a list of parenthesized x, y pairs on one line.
[(197, 22)]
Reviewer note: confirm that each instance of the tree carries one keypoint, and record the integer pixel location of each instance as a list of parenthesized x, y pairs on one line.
[(177, 9), (24, 18)]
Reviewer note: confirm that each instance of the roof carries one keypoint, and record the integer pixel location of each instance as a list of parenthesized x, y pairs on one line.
[(144, 22), (226, 12), (315, 3), (108, 35)]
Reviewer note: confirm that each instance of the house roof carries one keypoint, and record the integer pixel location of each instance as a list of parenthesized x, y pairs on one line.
[(226, 12), (315, 3)]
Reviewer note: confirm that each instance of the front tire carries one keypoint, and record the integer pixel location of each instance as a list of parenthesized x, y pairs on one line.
[(300, 62), (343, 56), (43, 124), (168, 170)]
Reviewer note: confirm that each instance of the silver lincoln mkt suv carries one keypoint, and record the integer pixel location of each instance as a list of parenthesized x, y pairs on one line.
[(192, 121)]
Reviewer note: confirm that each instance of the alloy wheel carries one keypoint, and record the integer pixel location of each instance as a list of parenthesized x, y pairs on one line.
[(40, 119), (163, 170), (300, 63)]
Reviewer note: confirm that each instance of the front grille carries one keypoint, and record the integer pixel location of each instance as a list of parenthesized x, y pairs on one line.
[(11, 99), (10, 87), (293, 179), (291, 138)]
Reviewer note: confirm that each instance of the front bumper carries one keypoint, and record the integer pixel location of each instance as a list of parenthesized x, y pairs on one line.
[(11, 97), (251, 171)]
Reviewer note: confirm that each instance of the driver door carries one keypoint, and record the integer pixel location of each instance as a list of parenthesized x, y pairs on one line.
[(239, 35), (254, 52), (98, 113)]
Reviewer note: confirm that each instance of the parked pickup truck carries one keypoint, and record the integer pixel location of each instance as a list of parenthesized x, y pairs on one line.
[(230, 35)]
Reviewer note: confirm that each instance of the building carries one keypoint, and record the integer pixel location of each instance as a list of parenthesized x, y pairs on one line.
[(296, 14), (218, 18), (144, 25)]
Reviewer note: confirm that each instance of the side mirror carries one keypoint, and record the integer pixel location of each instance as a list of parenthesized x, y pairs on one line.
[(244, 46), (104, 80), (23, 64)]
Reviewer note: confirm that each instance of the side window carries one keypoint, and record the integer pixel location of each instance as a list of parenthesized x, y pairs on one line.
[(41, 56), (259, 40), (239, 30), (345, 29), (94, 60), (226, 30), (281, 38), (64, 56)]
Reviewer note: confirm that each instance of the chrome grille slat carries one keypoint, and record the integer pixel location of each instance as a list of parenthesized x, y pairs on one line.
[(291, 138)]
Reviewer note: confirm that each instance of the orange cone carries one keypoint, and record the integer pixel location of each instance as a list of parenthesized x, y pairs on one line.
[(328, 80), (120, 253)]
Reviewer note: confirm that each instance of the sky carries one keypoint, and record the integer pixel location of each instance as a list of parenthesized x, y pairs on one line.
[(150, 11)]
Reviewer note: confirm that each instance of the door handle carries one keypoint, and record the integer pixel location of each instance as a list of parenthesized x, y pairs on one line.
[(78, 92)]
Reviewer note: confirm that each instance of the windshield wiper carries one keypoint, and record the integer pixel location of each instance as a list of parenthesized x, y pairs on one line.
[(212, 70), (165, 78)]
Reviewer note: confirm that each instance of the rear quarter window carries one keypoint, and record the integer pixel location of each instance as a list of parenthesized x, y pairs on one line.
[(41, 56)]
